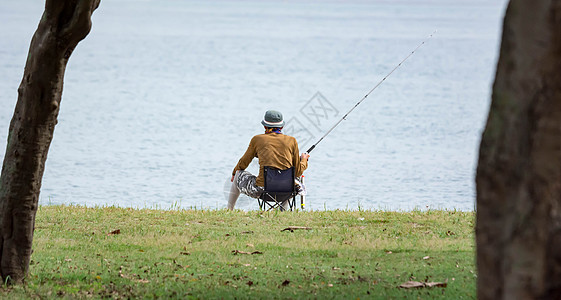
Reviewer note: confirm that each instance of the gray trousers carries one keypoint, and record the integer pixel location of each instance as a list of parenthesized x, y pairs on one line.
[(244, 182)]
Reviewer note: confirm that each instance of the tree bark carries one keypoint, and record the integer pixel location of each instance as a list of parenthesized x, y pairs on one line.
[(519, 172), (64, 23)]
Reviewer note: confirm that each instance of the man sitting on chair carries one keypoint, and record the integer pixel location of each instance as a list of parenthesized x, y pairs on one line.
[(273, 149)]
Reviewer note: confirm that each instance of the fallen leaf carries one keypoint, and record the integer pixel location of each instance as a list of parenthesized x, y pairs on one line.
[(250, 245), (426, 257), (176, 264), (247, 232), (292, 228), (286, 282), (68, 259), (184, 253), (412, 284), (244, 252), (117, 231), (131, 277), (417, 284), (388, 252), (436, 284), (249, 283)]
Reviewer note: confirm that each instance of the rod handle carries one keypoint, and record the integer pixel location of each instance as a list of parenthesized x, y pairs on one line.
[(311, 148), (302, 197)]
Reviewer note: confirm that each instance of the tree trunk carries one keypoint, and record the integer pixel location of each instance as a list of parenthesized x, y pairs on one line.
[(519, 173), (63, 24)]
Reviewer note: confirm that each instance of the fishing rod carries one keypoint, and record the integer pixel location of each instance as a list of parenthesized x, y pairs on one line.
[(366, 96)]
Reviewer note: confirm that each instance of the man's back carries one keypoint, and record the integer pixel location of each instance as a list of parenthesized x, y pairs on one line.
[(274, 150)]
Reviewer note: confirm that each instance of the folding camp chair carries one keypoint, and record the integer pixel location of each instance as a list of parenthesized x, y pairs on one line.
[(279, 187)]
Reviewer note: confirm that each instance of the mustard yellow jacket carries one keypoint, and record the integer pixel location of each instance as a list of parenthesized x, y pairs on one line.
[(273, 150)]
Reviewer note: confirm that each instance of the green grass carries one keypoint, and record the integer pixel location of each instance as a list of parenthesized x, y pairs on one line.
[(188, 254)]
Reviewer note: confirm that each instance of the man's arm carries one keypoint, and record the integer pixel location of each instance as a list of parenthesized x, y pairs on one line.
[(246, 159), (300, 162)]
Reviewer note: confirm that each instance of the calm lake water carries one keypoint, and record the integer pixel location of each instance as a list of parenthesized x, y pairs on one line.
[(162, 98)]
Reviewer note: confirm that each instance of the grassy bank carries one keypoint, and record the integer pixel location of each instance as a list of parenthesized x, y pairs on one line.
[(127, 253)]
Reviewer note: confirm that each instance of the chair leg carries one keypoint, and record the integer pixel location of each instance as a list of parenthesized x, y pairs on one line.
[(268, 202), (278, 204), (274, 205)]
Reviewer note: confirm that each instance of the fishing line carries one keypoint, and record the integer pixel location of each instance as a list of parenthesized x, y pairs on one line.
[(372, 90)]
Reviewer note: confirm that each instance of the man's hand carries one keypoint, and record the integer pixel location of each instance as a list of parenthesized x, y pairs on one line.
[(232, 180), (304, 156)]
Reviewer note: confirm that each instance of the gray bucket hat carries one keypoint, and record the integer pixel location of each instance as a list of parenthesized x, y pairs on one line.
[(273, 118)]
